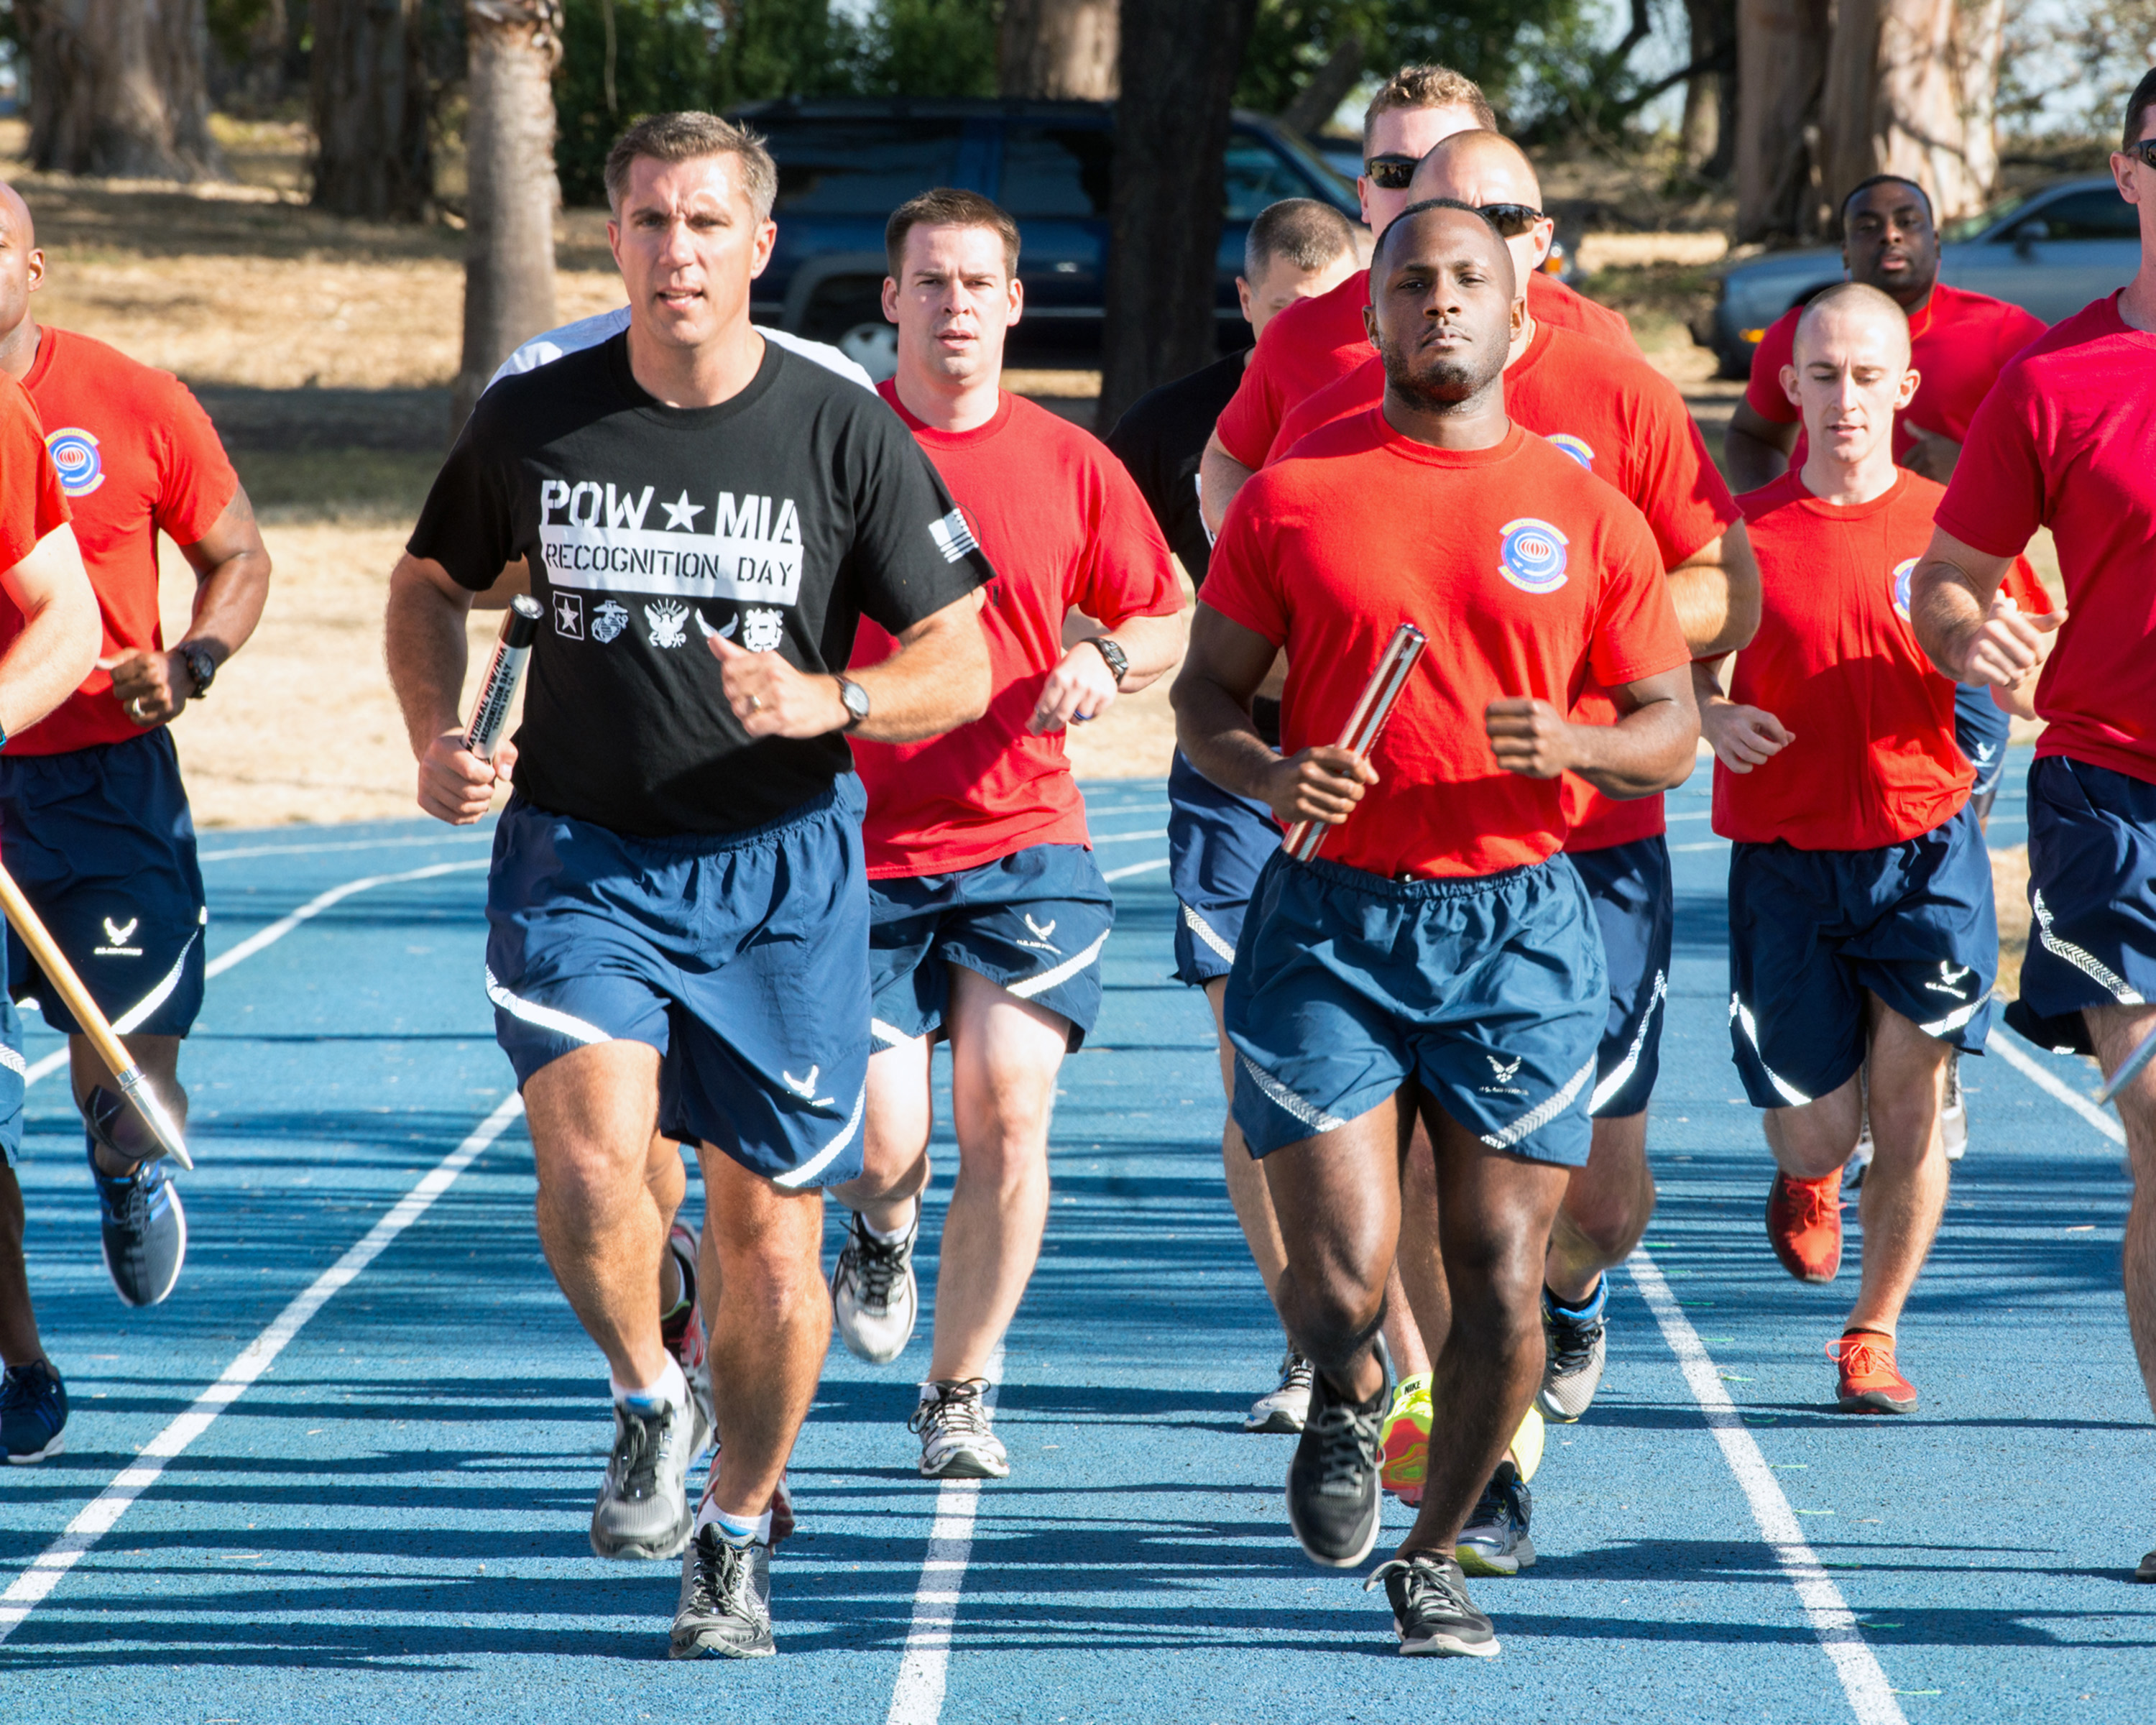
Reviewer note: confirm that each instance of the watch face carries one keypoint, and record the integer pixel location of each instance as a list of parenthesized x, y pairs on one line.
[(856, 699)]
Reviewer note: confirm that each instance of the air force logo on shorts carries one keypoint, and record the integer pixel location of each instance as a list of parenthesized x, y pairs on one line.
[(1578, 447), (74, 454), (1530, 555), (1900, 578)]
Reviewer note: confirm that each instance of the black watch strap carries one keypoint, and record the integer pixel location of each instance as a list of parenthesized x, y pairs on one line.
[(1119, 662), (202, 665)]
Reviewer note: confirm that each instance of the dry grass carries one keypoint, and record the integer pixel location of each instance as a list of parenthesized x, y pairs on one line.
[(2009, 888)]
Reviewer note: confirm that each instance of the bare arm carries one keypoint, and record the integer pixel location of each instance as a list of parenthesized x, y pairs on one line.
[(937, 680), (62, 631), (1716, 592), (424, 642), (1756, 452), (232, 585), (1741, 736), (1220, 475), (1650, 748), (1080, 688), (1224, 669), (1973, 634)]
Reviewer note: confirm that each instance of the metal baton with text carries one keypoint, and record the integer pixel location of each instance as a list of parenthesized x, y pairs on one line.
[(497, 691), (1360, 734)]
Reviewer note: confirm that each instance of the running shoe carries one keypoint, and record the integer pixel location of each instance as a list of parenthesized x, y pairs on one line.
[(1803, 1225), (1430, 1607), (1494, 1540), (32, 1412), (644, 1509), (724, 1608), (958, 1442), (1286, 1405), (2147, 1572), (873, 1294), (1333, 1495), (1954, 1116), (145, 1228), (1869, 1384), (1579, 1349), (1404, 1444)]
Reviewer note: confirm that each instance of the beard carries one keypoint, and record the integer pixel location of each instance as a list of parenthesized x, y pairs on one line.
[(1437, 383)]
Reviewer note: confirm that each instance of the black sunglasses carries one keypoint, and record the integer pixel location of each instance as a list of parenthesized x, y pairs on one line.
[(2143, 152), (1393, 173), (1511, 219)]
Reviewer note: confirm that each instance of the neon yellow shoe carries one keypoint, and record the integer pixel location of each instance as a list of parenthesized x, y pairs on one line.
[(1527, 1444), (1403, 1446)]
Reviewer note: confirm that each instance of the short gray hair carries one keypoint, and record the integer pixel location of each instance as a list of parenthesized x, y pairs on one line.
[(687, 136)]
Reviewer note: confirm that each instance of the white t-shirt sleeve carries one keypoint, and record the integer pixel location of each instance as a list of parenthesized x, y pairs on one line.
[(604, 326)]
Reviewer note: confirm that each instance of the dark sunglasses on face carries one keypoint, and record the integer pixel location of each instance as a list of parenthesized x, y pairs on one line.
[(1511, 219), (2144, 152), (1393, 173)]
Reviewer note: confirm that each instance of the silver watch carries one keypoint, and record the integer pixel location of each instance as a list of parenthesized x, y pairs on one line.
[(856, 699)]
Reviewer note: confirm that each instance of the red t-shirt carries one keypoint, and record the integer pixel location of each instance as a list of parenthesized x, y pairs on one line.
[(1314, 341), (1625, 422), (1065, 527), (137, 456), (1874, 761), (2066, 441), (1959, 344), (32, 503), (1528, 575)]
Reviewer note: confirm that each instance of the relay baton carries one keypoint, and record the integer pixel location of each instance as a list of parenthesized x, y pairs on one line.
[(512, 651), (133, 1082), (2129, 1068), (1365, 722)]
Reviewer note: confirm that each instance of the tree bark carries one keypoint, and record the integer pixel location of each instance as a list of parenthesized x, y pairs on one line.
[(369, 99), (1180, 61), (121, 88), (1058, 50), (1708, 132), (1909, 90), (509, 216), (1329, 86), (1781, 64)]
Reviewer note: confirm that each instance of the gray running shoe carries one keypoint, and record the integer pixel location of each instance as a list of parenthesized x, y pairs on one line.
[(1494, 1540), (956, 1440), (1430, 1607), (873, 1294), (1954, 1116), (725, 1609), (1286, 1405), (145, 1230), (1333, 1495), (1579, 1348), (644, 1509)]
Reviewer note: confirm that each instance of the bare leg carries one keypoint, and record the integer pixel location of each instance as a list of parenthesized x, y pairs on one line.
[(159, 1058), (1417, 1304), (900, 1115), (1607, 1207), (19, 1344), (2117, 1030), (1247, 1190)]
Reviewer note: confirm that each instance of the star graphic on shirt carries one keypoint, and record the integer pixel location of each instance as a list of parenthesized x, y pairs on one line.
[(681, 512)]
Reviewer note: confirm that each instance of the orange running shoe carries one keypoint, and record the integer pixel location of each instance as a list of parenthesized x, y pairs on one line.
[(1803, 1225), (1869, 1384)]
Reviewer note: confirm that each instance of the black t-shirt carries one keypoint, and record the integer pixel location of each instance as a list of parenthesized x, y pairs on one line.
[(777, 519), (1160, 437)]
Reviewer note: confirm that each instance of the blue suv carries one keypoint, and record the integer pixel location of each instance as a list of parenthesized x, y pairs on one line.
[(844, 165)]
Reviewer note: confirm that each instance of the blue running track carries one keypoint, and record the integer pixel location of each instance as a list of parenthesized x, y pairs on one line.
[(373, 1431)]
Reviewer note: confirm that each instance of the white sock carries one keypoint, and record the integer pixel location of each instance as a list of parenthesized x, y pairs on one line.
[(671, 1390), (732, 1530), (895, 1235)]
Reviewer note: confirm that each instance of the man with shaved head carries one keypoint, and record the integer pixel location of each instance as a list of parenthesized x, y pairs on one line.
[(94, 814), (1862, 931), (1437, 962)]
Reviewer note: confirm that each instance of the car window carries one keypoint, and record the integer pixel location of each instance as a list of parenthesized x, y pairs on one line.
[(1057, 171), (1257, 176), (2098, 213), (859, 167), (1976, 226)]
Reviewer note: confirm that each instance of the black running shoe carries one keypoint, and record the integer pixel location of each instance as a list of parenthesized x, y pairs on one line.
[(145, 1230), (1494, 1540), (2147, 1572), (724, 1608), (1332, 1494), (32, 1412), (1430, 1607)]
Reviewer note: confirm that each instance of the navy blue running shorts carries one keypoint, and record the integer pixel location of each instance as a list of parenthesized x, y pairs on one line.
[(1488, 992), (1635, 907), (101, 842), (1033, 922), (741, 957), (2092, 898), (1981, 731), (12, 1075), (1810, 931), (1217, 843)]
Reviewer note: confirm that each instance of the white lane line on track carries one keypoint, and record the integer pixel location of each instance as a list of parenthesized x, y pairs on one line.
[(1870, 1697), (2052, 1084), (917, 1698), (1131, 869), (241, 951), (97, 1519), (234, 855)]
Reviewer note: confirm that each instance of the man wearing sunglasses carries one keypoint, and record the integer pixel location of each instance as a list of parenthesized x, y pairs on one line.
[(1308, 346), (2063, 441)]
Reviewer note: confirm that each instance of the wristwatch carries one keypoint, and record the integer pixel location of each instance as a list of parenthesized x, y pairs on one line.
[(201, 663), (856, 699), (1119, 663)]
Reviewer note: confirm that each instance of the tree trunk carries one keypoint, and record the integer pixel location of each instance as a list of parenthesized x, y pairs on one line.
[(1180, 61), (509, 215), (1708, 132), (119, 88), (1910, 89), (1058, 50), (1781, 63), (1329, 86), (369, 101)]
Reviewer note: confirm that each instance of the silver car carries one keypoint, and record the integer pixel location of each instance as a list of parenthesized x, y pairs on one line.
[(2050, 251)]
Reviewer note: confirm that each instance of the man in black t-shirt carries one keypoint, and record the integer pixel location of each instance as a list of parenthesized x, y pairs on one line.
[(678, 917)]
